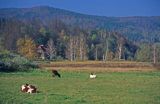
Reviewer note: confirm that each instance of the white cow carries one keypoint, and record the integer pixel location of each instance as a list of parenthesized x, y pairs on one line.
[(92, 76)]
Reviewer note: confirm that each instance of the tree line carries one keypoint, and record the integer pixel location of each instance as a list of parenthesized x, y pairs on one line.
[(55, 40)]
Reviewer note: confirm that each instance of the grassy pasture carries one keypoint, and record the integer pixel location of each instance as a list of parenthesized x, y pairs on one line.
[(75, 87)]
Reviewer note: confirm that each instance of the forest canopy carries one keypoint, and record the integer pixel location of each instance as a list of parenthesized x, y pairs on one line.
[(55, 34)]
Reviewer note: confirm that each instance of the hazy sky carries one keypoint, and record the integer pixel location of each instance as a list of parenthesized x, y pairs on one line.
[(94, 7)]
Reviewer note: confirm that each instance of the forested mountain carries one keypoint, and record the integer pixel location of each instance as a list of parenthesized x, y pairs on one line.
[(60, 34), (134, 28)]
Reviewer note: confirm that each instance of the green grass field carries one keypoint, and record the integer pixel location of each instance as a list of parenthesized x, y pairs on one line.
[(75, 87)]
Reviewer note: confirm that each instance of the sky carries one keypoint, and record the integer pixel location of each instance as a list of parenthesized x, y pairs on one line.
[(114, 8)]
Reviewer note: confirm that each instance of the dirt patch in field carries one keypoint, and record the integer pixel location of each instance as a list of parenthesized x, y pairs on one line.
[(97, 66), (100, 69)]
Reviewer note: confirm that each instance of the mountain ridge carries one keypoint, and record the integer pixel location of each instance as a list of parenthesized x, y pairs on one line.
[(135, 28), (45, 6)]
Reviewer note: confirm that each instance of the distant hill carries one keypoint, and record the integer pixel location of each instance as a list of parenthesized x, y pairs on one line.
[(137, 29)]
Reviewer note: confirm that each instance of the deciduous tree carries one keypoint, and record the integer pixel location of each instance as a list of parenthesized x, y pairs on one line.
[(26, 47), (51, 48)]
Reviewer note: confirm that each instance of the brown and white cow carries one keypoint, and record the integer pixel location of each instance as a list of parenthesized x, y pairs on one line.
[(28, 88), (32, 89), (24, 88)]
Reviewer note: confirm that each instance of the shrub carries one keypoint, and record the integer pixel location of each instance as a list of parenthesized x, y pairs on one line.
[(22, 63), (12, 62)]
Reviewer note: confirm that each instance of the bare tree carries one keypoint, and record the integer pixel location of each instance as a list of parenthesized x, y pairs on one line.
[(82, 47), (70, 51), (51, 48), (119, 51), (154, 53), (120, 47), (98, 51), (76, 48), (104, 37)]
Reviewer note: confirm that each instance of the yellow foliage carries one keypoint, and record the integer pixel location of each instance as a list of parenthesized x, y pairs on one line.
[(26, 47)]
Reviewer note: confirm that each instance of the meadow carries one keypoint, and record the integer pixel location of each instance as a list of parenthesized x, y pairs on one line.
[(75, 87)]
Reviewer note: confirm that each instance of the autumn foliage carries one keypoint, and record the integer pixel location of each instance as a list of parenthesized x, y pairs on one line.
[(26, 47)]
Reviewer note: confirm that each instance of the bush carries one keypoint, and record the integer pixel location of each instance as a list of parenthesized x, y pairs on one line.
[(4, 67), (10, 62)]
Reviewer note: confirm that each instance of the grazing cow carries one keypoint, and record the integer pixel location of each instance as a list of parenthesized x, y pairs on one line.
[(28, 88), (55, 73), (92, 76)]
